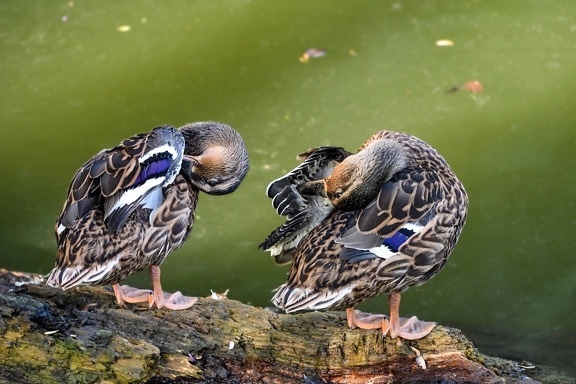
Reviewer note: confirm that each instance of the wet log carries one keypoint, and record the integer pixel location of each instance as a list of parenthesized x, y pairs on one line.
[(82, 336)]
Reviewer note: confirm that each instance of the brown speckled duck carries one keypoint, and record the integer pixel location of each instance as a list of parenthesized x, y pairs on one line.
[(397, 210), (130, 206)]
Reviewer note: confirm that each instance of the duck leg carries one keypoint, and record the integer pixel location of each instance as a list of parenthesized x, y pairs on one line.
[(126, 294), (365, 320), (410, 329), (160, 299)]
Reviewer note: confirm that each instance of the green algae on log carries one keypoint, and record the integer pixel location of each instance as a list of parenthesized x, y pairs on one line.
[(82, 336)]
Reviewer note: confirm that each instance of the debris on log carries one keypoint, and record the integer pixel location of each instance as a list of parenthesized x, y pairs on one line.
[(82, 336)]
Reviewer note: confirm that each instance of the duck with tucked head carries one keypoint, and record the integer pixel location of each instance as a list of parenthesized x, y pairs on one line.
[(397, 213), (130, 206)]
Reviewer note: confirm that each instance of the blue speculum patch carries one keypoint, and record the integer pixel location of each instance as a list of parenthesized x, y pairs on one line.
[(395, 241), (156, 166)]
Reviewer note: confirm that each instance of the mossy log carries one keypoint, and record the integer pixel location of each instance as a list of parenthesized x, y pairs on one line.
[(82, 336)]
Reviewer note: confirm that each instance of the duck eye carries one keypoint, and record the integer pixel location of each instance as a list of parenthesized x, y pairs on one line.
[(212, 182)]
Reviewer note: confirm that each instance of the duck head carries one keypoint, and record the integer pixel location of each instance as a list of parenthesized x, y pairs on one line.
[(215, 157), (358, 178)]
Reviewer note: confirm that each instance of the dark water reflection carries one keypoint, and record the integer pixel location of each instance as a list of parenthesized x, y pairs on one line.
[(75, 79)]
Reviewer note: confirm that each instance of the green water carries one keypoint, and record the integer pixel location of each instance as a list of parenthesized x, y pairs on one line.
[(72, 83)]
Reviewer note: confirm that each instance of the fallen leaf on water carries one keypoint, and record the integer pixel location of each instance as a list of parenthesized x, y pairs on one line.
[(472, 86), (124, 28), (444, 43), (312, 53)]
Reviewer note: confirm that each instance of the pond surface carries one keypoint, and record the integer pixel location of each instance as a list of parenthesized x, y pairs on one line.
[(78, 76)]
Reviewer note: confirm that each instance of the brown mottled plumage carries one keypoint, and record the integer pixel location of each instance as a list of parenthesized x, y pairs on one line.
[(398, 210), (130, 206)]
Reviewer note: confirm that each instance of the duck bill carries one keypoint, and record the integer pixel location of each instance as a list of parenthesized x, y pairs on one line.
[(188, 163)]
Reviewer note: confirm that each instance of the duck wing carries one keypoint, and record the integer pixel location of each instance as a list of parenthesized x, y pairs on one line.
[(404, 207), (124, 178), (302, 211)]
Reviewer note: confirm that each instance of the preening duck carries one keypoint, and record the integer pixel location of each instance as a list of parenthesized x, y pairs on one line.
[(130, 206), (396, 212)]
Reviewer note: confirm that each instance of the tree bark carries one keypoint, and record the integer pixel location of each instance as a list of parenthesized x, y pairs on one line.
[(82, 336)]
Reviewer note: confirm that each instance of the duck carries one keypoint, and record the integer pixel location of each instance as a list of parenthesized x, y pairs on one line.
[(396, 211), (130, 206)]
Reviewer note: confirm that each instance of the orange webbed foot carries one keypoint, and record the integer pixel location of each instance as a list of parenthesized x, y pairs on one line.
[(412, 328), (175, 301), (127, 294), (366, 320)]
